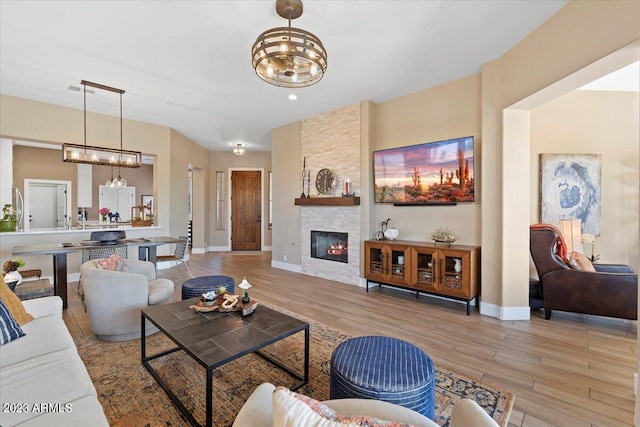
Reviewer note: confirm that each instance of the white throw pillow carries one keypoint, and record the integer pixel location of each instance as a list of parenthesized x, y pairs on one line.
[(292, 409)]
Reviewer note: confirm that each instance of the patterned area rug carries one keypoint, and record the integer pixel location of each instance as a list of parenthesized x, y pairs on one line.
[(132, 398)]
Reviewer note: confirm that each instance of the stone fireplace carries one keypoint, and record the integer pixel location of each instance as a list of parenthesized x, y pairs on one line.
[(330, 246), (334, 221), (332, 141)]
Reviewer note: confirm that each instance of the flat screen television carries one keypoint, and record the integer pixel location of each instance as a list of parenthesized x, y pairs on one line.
[(440, 172)]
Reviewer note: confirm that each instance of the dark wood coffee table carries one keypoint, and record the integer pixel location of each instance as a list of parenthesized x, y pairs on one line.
[(214, 339)]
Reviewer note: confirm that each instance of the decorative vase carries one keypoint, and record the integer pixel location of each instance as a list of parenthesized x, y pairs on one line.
[(458, 265), (104, 218), (13, 276)]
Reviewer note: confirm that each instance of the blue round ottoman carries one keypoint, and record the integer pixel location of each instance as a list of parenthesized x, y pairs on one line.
[(384, 368), (199, 285)]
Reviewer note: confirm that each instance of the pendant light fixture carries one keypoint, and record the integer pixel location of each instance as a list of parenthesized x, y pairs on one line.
[(287, 56), (239, 150), (74, 153), (120, 182), (110, 182)]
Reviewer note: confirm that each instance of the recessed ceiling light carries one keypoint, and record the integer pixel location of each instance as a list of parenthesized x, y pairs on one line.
[(292, 97)]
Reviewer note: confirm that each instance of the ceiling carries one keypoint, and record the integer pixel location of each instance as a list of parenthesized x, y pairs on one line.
[(187, 64)]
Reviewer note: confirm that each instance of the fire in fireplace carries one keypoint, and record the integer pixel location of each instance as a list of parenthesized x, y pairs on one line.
[(330, 245)]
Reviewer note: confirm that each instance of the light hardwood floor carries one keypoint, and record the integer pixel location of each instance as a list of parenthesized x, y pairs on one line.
[(572, 370)]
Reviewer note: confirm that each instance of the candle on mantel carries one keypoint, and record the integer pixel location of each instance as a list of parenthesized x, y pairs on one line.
[(347, 186)]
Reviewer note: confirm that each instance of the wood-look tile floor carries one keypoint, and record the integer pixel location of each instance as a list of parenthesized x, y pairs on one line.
[(572, 370)]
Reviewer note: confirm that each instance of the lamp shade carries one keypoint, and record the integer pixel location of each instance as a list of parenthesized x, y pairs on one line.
[(572, 233)]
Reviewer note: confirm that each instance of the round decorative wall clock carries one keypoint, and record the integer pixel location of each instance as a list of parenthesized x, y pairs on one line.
[(325, 181)]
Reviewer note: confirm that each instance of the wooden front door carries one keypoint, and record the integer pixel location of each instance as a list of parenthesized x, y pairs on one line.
[(246, 221)]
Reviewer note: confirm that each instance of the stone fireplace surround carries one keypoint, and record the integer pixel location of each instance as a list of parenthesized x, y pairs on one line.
[(332, 140), (332, 219)]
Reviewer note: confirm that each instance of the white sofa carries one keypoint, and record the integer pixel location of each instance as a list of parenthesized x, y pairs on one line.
[(43, 381), (258, 411)]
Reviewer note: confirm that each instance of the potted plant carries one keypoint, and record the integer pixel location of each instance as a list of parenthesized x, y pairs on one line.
[(9, 220), (11, 275)]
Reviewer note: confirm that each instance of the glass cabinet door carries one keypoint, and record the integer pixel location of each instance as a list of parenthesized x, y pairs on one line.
[(452, 276), (375, 258), (425, 267), (398, 264)]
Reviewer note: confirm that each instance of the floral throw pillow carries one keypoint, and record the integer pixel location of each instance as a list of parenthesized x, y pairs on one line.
[(113, 263), (291, 409)]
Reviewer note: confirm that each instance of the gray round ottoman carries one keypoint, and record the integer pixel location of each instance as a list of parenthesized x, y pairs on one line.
[(199, 285), (384, 368)]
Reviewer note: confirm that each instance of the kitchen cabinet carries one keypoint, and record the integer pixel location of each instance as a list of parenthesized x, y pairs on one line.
[(119, 200), (430, 268)]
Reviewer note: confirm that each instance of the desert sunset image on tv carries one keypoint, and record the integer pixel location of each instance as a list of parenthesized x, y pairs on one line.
[(434, 172)]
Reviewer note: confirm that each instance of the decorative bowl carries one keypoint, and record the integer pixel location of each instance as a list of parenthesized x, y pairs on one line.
[(443, 236), (391, 233), (208, 302)]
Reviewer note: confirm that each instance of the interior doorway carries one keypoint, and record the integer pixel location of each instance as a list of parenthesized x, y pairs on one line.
[(47, 204), (246, 210)]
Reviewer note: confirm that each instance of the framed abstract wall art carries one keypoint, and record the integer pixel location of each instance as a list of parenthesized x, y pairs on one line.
[(570, 188)]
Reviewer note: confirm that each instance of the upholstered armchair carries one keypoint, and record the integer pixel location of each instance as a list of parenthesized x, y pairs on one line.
[(612, 290), (114, 298)]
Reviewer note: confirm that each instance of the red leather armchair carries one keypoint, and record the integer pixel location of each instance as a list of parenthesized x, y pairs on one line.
[(611, 291)]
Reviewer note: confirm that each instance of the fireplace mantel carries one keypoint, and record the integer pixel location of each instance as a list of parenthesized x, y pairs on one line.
[(328, 201)]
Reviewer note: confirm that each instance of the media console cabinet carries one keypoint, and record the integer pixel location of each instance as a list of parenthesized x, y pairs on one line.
[(424, 267)]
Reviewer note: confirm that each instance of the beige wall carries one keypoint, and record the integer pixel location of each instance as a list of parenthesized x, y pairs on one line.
[(43, 163), (286, 155), (407, 120), (446, 111), (578, 35), (603, 123), (26, 120), (223, 161), (186, 155)]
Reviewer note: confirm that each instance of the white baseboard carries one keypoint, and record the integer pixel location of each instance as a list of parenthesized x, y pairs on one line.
[(199, 251), (505, 313), (286, 266), (218, 249)]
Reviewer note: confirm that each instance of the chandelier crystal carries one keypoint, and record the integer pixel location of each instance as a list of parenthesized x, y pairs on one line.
[(287, 56)]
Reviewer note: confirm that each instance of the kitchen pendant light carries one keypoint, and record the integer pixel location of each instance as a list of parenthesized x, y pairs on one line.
[(110, 182), (75, 153)]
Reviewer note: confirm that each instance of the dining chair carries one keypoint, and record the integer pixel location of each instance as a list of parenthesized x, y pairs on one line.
[(178, 255)]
